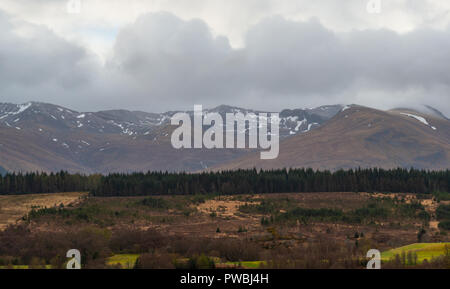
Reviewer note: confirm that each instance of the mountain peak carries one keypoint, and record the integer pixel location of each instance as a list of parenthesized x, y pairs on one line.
[(424, 110), (43, 136)]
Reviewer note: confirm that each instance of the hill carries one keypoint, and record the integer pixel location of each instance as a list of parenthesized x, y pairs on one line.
[(364, 137), (44, 137)]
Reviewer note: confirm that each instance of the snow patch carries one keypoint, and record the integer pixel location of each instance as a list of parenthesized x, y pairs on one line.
[(21, 108), (419, 118), (292, 118), (346, 107), (299, 124), (310, 126)]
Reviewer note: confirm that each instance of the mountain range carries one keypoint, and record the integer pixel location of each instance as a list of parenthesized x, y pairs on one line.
[(44, 137)]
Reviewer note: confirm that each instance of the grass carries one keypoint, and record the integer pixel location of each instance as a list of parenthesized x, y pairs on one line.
[(247, 264), (14, 207), (423, 251), (126, 261), (22, 267), (116, 211), (15, 267)]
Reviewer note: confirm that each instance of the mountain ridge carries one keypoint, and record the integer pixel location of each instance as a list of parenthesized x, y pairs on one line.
[(41, 136), (363, 137)]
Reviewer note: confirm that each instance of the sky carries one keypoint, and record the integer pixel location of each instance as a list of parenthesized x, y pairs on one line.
[(160, 55)]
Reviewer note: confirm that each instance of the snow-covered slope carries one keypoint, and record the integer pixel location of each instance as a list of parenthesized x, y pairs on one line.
[(42, 136), (363, 137)]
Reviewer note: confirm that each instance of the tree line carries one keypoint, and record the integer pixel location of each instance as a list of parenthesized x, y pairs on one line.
[(41, 183), (230, 182), (274, 181)]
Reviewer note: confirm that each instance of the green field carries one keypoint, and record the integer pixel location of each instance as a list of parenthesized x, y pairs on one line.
[(22, 267), (423, 251), (247, 264), (126, 261)]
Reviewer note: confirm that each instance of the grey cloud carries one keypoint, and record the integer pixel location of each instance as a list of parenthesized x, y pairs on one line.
[(36, 64), (162, 62), (397, 61), (295, 58), (173, 59), (284, 64), (38, 57)]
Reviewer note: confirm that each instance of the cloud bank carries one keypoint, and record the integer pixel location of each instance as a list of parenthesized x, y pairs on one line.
[(163, 62)]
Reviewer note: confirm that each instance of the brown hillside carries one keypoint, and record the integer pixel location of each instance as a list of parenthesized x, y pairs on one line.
[(363, 137)]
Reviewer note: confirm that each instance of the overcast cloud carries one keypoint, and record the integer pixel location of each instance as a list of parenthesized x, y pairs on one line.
[(165, 55)]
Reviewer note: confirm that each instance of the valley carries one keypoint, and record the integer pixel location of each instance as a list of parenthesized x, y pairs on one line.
[(288, 230)]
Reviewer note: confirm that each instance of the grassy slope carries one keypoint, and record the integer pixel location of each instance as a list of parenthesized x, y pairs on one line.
[(126, 261), (360, 137), (247, 264), (14, 207), (423, 250)]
